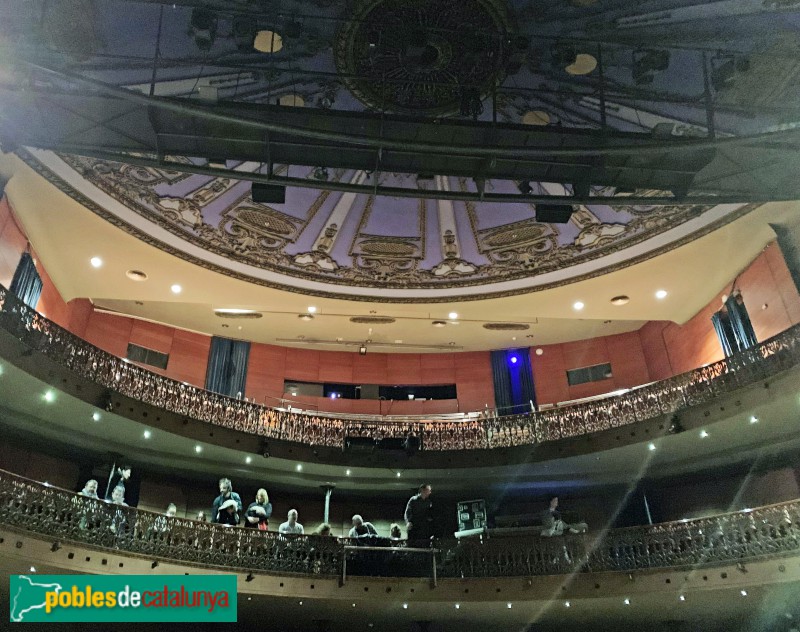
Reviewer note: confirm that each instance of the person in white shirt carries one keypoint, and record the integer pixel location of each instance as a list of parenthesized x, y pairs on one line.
[(291, 526)]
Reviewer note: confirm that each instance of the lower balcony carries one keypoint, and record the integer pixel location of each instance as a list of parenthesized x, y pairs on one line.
[(738, 571)]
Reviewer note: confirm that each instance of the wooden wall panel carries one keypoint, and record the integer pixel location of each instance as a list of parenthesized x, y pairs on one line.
[(188, 357), (152, 335), (302, 365), (651, 336), (437, 368), (80, 311), (474, 384), (403, 368), (628, 363), (336, 366), (50, 304), (370, 369), (265, 373), (549, 374), (13, 243), (110, 333), (787, 290)]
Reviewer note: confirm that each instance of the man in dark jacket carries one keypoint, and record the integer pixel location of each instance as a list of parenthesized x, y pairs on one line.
[(225, 493), (419, 517)]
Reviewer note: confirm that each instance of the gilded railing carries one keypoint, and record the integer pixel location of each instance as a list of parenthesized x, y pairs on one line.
[(65, 517), (646, 402)]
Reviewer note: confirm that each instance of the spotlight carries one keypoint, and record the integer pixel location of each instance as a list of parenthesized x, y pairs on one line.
[(362, 350), (268, 193), (554, 213), (154, 564), (250, 577), (56, 546), (513, 359), (320, 173), (525, 188)]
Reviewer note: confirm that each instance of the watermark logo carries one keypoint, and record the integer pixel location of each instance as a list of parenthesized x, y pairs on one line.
[(122, 598)]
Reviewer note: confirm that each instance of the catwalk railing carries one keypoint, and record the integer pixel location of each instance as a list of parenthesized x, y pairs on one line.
[(64, 517), (668, 396)]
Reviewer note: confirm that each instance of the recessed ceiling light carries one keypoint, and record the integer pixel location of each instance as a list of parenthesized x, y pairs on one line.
[(622, 299), (347, 473), (299, 467), (508, 605), (198, 449), (398, 475), (96, 262), (627, 602), (96, 416), (147, 434), (312, 309), (743, 593), (249, 460), (405, 606), (578, 306), (540, 351), (136, 275), (176, 289), (661, 294), (703, 434), (33, 569), (682, 598), (651, 447), (458, 605), (305, 317), (567, 604), (753, 419), (452, 315), (49, 396)]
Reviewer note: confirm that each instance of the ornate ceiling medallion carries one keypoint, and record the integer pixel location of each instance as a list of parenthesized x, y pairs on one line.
[(423, 56)]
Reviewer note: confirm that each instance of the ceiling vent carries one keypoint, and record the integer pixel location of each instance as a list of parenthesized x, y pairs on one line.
[(439, 323), (372, 320), (238, 314), (506, 326), (136, 275), (305, 317)]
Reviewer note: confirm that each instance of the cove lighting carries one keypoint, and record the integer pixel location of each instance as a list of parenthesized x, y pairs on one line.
[(96, 262)]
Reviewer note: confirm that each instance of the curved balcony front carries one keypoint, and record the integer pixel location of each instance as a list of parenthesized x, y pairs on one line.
[(680, 564)]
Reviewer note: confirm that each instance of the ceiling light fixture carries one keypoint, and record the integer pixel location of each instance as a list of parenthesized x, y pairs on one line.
[(622, 299), (753, 419), (136, 275), (312, 309), (95, 416), (305, 317), (578, 306), (703, 434), (661, 294), (147, 434), (49, 397), (347, 473), (438, 323), (96, 262), (249, 460), (362, 350), (452, 315), (651, 447), (299, 467), (176, 289), (198, 449)]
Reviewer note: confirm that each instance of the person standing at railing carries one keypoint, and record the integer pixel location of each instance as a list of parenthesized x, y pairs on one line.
[(226, 493), (118, 479), (90, 490), (258, 512), (419, 517), (291, 526), (363, 531)]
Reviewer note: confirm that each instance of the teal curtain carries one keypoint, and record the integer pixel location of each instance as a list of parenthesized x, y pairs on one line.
[(722, 325), (741, 326), (27, 284), (227, 366)]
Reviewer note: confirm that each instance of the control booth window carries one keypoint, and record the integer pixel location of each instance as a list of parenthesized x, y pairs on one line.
[(142, 355), (369, 391), (584, 375)]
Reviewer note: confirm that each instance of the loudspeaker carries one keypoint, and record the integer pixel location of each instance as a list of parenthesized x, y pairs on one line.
[(268, 193), (554, 213)]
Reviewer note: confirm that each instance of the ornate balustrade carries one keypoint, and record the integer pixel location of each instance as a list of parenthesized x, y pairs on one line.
[(63, 516), (701, 385)]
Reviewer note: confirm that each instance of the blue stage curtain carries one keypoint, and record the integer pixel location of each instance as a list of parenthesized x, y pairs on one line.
[(513, 381), (727, 339), (502, 383), (741, 326), (227, 366), (27, 284)]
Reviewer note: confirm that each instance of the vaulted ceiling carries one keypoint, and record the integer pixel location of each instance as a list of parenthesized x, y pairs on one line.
[(426, 153)]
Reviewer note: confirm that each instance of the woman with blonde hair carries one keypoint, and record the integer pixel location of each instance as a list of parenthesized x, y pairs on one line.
[(258, 512)]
